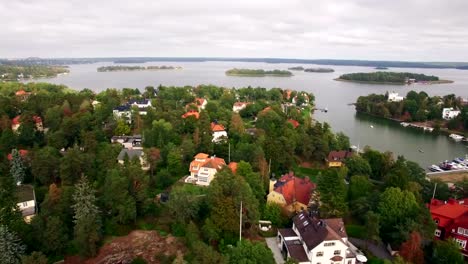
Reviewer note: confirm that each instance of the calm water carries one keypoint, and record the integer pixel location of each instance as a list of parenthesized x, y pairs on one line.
[(384, 135)]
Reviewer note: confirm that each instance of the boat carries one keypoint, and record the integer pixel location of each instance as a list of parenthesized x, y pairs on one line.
[(435, 168), (422, 151), (430, 129), (404, 124), (445, 166), (456, 137), (371, 126)]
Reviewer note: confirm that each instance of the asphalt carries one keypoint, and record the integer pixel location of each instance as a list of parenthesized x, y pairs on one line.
[(271, 242), (377, 250)]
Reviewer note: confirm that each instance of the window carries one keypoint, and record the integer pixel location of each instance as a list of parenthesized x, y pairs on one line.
[(350, 262), (465, 232), (461, 243), (460, 230), (436, 221), (437, 233), (320, 254), (337, 252), (25, 204), (329, 244)]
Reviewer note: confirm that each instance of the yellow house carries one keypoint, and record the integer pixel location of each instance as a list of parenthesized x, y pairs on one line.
[(291, 193), (336, 158)]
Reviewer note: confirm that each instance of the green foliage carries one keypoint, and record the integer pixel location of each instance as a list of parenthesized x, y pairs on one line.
[(332, 189), (447, 252), (359, 186), (122, 128), (273, 212), (35, 258), (12, 72), (138, 260), (357, 165), (251, 72), (185, 202), (11, 247), (387, 77), (246, 252), (116, 198), (17, 169), (356, 231)]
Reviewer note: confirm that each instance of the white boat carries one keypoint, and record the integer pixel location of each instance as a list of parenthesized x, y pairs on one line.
[(404, 124), (456, 137), (430, 129)]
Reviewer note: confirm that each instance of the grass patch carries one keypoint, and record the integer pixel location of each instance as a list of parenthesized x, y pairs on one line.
[(303, 172), (356, 231)]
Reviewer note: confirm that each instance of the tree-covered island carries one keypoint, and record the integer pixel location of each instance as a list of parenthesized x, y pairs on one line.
[(319, 70), (391, 78), (258, 73), (296, 68), (16, 72), (135, 68)]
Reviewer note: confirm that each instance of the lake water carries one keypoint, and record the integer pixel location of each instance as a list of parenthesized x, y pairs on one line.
[(336, 96)]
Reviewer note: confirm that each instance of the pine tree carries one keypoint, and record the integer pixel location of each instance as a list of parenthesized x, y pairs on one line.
[(11, 247), (87, 220), (17, 169)]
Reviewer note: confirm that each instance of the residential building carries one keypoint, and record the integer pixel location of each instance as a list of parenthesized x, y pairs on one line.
[(191, 113), (133, 154), (128, 142), (450, 113), (314, 241), (124, 112), (22, 95), (291, 193), (26, 201), (451, 218), (238, 106), (219, 132), (140, 103), (293, 122), (201, 103), (336, 158), (16, 123), (305, 97), (23, 153), (95, 103), (394, 97), (203, 169)]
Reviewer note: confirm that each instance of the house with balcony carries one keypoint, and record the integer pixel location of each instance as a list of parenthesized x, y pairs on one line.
[(313, 241), (203, 169), (451, 218)]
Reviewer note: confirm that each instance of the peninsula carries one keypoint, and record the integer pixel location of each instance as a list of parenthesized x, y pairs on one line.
[(17, 72), (258, 73), (319, 70), (135, 68), (391, 78)]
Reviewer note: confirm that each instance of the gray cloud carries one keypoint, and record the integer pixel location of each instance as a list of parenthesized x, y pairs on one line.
[(428, 30)]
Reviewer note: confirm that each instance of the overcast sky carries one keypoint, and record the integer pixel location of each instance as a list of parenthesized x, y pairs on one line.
[(423, 30)]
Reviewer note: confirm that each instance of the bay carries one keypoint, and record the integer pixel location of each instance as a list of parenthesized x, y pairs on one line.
[(363, 130)]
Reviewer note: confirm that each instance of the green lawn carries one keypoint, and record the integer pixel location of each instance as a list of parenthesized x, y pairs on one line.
[(307, 172)]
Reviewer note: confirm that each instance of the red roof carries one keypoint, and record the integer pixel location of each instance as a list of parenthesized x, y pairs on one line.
[(452, 209), (21, 92), (23, 153), (233, 167), (339, 155), (293, 122), (191, 113), (199, 101), (216, 127), (16, 120), (294, 189)]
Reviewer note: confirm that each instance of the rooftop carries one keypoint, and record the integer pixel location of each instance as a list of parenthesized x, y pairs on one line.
[(339, 155), (131, 153), (25, 193), (294, 189)]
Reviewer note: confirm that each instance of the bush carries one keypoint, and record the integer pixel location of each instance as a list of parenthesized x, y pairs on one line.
[(356, 231), (138, 260)]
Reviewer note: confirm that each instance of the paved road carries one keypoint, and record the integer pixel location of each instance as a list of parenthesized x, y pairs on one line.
[(377, 250), (271, 242)]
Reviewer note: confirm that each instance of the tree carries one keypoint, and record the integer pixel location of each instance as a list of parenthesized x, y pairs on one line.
[(86, 218), (44, 165), (116, 198), (359, 186), (11, 247), (447, 252), (273, 213), (246, 252), (122, 128), (358, 166), (372, 222), (207, 255), (253, 179), (185, 202), (17, 169), (236, 125), (332, 190), (411, 250), (35, 258), (55, 236)]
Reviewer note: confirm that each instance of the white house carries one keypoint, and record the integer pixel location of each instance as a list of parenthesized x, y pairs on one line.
[(123, 111), (238, 106), (131, 154), (201, 103), (449, 113), (26, 202), (304, 95), (394, 97), (203, 169), (219, 132), (128, 142), (314, 241), (142, 103)]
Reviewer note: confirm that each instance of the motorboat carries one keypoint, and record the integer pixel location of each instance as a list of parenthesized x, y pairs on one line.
[(404, 124), (435, 168), (456, 137)]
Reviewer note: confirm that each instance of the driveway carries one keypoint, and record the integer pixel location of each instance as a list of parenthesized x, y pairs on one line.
[(377, 250), (271, 242)]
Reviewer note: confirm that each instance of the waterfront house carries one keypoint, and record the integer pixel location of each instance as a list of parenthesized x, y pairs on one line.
[(336, 158), (394, 97), (312, 240), (450, 113), (26, 201), (203, 169), (16, 123), (219, 132), (291, 193), (238, 106), (133, 154), (451, 218)]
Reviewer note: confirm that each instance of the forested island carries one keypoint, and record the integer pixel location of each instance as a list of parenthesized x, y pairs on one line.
[(96, 197), (296, 68), (381, 68), (416, 107), (319, 70), (15, 72), (258, 73), (391, 78), (135, 68)]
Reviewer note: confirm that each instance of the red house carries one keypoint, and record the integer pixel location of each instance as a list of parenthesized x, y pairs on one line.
[(451, 218)]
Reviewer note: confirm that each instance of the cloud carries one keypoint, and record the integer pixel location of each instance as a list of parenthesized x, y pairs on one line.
[(354, 29)]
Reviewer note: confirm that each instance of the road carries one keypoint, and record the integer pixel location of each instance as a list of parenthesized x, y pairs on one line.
[(271, 242)]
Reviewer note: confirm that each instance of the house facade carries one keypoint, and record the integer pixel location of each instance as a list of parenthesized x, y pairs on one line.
[(336, 158), (451, 218), (16, 123), (132, 154), (317, 241), (203, 169), (394, 97), (449, 113), (219, 132), (238, 106), (291, 193), (128, 142), (26, 201)]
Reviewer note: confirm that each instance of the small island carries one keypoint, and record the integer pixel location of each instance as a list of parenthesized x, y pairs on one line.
[(258, 73), (391, 78), (135, 68), (297, 68), (381, 68), (319, 70), (19, 72)]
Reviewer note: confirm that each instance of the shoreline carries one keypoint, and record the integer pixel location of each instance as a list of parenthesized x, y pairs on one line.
[(395, 83), (259, 75)]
